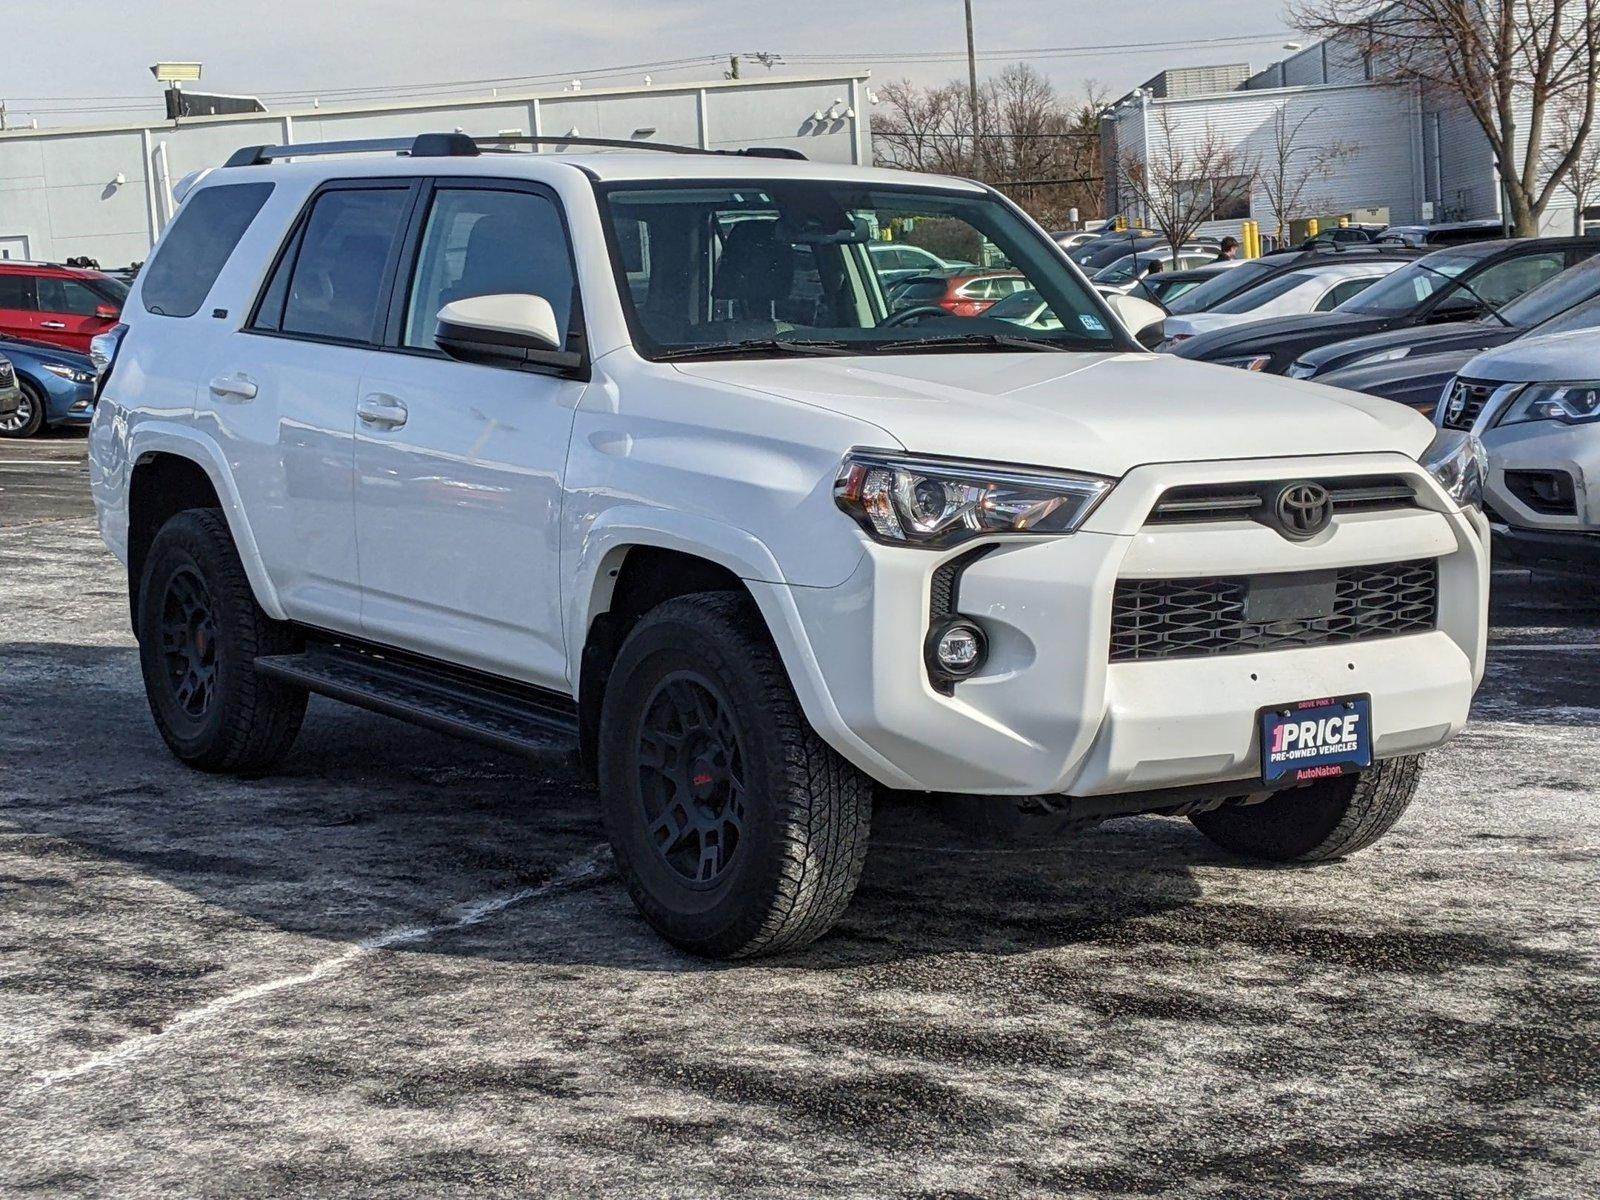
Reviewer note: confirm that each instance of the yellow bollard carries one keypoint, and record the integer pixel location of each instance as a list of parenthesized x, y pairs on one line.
[(1312, 228)]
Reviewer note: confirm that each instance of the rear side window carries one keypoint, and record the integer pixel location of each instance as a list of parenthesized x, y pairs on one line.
[(197, 246), (330, 284), (16, 292)]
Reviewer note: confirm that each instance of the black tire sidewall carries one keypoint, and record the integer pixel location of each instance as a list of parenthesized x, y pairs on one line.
[(732, 907), (35, 398), (184, 543)]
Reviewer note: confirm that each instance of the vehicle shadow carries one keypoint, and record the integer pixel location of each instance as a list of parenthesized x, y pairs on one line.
[(372, 825)]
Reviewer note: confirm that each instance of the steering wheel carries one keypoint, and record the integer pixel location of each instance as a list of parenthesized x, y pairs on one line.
[(908, 315)]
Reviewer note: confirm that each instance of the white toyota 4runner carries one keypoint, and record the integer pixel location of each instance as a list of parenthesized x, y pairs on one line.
[(638, 451)]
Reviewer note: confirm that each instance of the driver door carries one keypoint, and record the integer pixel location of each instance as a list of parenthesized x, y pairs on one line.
[(459, 465)]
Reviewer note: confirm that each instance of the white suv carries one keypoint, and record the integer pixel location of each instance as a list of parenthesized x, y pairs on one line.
[(629, 449)]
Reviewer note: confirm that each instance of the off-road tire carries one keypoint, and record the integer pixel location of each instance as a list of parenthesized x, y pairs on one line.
[(1320, 821), (807, 812), (249, 721), (35, 420)]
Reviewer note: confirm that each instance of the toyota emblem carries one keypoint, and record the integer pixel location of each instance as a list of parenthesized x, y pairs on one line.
[(1301, 510)]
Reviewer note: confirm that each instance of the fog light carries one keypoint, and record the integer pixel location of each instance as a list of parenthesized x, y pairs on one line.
[(956, 648)]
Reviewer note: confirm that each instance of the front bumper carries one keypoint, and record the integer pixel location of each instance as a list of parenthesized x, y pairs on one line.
[(1049, 713), (10, 400)]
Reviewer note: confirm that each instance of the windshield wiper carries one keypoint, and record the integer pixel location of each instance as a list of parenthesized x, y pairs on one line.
[(1489, 309), (755, 346), (974, 341)]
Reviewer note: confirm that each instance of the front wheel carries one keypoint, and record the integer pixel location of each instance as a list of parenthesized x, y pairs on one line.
[(737, 831), (1323, 820), (29, 417)]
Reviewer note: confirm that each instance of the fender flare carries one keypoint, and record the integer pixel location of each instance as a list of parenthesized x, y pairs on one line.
[(149, 438)]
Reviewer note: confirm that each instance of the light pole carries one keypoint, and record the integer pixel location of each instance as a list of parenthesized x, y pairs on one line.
[(972, 80)]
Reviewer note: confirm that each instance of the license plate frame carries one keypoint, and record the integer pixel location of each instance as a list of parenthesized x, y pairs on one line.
[(1307, 750)]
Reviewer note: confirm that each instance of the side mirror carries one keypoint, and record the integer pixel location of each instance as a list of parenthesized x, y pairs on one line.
[(510, 329), (108, 312), (1134, 313)]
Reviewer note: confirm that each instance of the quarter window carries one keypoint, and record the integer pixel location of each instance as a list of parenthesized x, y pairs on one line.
[(207, 228), (483, 242)]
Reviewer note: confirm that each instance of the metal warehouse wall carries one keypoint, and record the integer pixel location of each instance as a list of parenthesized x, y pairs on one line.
[(1381, 122), (106, 192)]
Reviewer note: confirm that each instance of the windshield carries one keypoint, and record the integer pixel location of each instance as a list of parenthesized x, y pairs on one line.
[(1572, 286), (1413, 283), (1127, 267), (1257, 296), (781, 267), (1227, 283), (1580, 316)]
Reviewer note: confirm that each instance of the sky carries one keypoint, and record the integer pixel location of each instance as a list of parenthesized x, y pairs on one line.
[(87, 61)]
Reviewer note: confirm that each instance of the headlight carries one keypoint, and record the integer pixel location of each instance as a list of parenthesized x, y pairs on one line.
[(942, 502), (71, 373), (1459, 462), (1569, 403), (1251, 362)]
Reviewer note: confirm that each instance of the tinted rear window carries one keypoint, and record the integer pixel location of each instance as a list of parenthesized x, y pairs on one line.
[(197, 247)]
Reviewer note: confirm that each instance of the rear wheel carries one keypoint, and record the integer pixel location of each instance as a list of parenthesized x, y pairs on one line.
[(200, 631), (735, 828), (29, 417), (1324, 820)]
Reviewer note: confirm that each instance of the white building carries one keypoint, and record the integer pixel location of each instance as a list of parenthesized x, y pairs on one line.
[(1423, 158), (106, 192)]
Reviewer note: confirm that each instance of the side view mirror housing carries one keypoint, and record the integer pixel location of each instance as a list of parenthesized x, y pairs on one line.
[(108, 312), (1134, 313), (517, 330)]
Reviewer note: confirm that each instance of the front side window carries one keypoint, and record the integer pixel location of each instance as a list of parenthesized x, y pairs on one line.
[(330, 285), (69, 297), (192, 255), (777, 266), (482, 242)]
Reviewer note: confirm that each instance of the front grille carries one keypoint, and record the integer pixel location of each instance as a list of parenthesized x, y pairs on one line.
[(1191, 618), (1463, 402), (1251, 501)]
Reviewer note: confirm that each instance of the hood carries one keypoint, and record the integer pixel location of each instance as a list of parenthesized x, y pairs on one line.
[(1415, 381), (19, 348), (1194, 324), (1103, 413), (1263, 334), (1554, 356), (1414, 339)]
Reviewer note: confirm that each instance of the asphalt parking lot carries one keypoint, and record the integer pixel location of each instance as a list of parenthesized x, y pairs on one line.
[(401, 966)]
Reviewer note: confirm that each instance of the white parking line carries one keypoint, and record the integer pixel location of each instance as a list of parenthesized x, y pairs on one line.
[(1503, 647), (573, 875)]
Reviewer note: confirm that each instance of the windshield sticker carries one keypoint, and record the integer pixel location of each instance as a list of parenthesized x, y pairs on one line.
[(1091, 322)]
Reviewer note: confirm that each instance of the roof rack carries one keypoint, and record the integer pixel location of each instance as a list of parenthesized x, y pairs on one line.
[(459, 145)]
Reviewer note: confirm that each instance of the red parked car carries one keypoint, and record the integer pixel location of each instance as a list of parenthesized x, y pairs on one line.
[(961, 294), (65, 306)]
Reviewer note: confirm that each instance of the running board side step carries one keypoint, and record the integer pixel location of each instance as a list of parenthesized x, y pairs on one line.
[(502, 713)]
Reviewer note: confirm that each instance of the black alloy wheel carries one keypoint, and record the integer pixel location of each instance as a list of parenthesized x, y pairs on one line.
[(188, 633), (691, 779)]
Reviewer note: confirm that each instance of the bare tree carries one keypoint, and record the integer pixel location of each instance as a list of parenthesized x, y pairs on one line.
[(1181, 182), (1510, 62), (1292, 168), (1582, 181), (1039, 147)]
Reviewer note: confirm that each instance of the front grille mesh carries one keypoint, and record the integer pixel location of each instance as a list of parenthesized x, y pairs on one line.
[(1190, 618)]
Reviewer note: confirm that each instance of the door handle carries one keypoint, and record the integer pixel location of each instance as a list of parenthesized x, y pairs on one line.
[(383, 411), (240, 387), (52, 324)]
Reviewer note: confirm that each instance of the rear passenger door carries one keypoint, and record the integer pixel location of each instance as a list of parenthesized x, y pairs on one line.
[(459, 465), (282, 391)]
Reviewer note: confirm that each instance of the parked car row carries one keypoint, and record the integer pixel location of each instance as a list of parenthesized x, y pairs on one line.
[(1496, 337)]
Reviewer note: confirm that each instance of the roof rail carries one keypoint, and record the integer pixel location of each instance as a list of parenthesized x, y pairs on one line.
[(459, 145), (424, 145)]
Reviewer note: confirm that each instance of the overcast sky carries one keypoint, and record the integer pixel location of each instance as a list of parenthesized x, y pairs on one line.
[(73, 62)]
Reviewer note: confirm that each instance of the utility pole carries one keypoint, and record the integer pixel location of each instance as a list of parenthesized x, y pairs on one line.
[(2, 114), (972, 80)]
